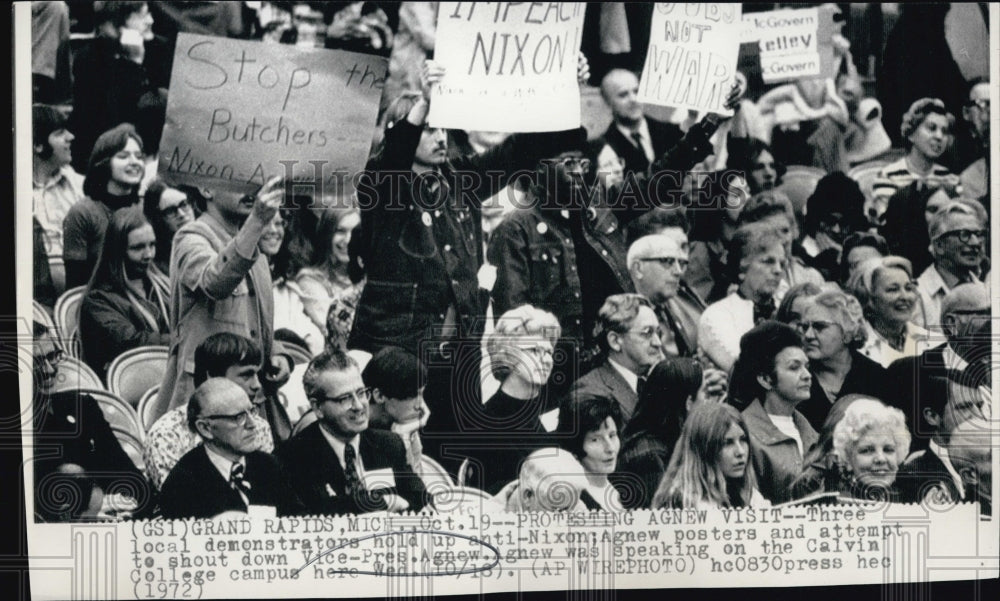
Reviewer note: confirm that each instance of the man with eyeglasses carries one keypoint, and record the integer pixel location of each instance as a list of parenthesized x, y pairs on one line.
[(657, 264), (77, 458), (338, 465), (629, 334), (226, 472), (958, 246)]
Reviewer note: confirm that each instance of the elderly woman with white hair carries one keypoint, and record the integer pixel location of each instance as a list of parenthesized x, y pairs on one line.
[(550, 479), (889, 299), (520, 349), (869, 443), (833, 331)]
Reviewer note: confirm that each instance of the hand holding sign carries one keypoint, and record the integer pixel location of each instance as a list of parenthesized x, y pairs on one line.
[(582, 69)]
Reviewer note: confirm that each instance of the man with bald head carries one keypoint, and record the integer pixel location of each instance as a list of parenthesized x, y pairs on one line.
[(225, 473), (976, 112), (657, 264), (632, 137)]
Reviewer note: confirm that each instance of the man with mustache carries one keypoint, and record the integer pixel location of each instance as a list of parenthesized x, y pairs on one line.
[(421, 243)]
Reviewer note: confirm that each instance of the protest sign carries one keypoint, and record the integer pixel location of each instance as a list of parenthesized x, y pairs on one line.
[(791, 43), (510, 67), (241, 112), (692, 56)]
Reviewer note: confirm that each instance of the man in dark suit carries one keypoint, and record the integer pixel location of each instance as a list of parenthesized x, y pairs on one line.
[(339, 465), (629, 334), (77, 458), (225, 473), (964, 359), (632, 137)]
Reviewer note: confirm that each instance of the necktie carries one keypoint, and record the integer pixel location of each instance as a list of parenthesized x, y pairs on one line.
[(637, 139), (238, 481), (354, 485), (640, 386)]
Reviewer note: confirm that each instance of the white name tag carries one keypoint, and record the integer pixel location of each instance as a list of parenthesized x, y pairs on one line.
[(379, 479)]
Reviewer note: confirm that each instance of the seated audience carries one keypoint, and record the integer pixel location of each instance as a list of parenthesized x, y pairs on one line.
[(115, 170), (628, 333), (756, 263), (711, 465), (773, 375), (126, 302), (220, 355), (592, 433), (78, 462), (167, 209), (520, 350), (959, 247), (673, 387), (338, 465), (833, 332), (226, 472), (889, 299)]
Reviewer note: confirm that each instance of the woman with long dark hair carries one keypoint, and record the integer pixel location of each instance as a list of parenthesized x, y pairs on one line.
[(592, 430), (127, 300), (327, 278), (114, 173), (167, 209), (649, 438), (711, 465)]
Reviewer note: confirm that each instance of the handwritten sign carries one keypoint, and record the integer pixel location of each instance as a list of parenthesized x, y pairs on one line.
[(241, 112), (789, 42), (511, 66), (692, 55)]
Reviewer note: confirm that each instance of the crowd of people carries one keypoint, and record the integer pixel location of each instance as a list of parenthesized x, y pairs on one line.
[(616, 339)]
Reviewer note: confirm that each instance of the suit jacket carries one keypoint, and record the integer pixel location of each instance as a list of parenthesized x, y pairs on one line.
[(604, 380), (924, 477), (663, 135), (196, 489), (319, 480), (213, 289)]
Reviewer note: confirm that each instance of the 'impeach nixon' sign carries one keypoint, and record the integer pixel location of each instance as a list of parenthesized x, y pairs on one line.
[(241, 112), (789, 43), (510, 66), (692, 55)]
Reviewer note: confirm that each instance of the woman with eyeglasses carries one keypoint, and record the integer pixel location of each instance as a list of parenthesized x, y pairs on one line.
[(127, 300), (833, 332), (167, 209), (591, 431), (711, 464), (756, 264), (520, 350), (772, 379), (114, 173), (889, 298)]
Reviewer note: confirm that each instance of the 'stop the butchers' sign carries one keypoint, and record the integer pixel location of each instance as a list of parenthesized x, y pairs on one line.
[(241, 112)]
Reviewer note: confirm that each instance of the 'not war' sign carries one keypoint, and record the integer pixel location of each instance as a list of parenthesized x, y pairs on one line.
[(241, 112)]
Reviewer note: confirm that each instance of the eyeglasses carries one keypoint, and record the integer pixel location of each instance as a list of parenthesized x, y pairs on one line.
[(819, 326), (173, 211), (964, 235), (571, 162), (669, 262), (970, 312), (646, 333), (537, 351), (361, 394), (54, 358), (240, 419)]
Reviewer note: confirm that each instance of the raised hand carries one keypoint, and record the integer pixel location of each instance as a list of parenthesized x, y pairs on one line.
[(268, 199)]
